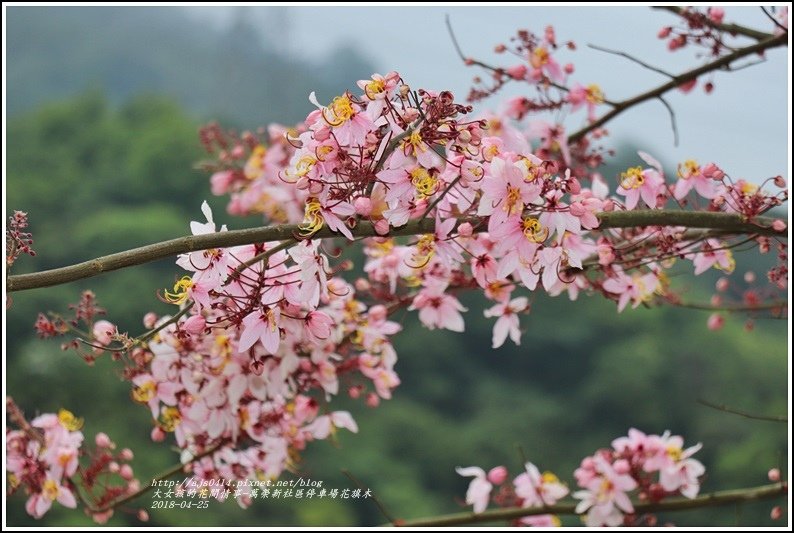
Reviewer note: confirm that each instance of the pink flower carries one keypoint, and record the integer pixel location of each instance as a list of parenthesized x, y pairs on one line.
[(349, 124), (52, 490), (691, 176), (319, 325), (604, 497), (542, 61), (438, 309), (536, 490), (479, 491), (647, 184), (508, 320), (637, 289), (713, 254), (261, 326), (591, 96), (505, 192), (103, 332)]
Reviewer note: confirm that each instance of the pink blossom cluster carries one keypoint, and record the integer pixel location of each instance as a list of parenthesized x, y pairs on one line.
[(652, 467), (43, 459)]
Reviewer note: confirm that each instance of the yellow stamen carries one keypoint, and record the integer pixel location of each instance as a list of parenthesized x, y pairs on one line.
[(341, 109), (540, 56), (170, 419), (632, 178), (145, 392), (312, 218), (256, 162), (425, 249), (549, 477), (594, 94), (374, 88), (304, 165), (50, 490), (688, 169), (534, 231), (180, 294), (675, 453), (69, 421), (423, 182), (731, 263)]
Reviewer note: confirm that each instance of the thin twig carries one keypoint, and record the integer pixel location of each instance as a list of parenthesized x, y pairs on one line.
[(673, 122), (725, 497), (745, 414), (677, 81), (145, 254), (776, 305), (632, 58), (774, 20), (377, 502)]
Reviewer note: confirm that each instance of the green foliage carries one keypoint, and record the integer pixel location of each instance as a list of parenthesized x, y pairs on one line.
[(97, 179)]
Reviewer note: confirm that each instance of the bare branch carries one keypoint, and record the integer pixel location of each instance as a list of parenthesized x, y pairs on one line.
[(733, 29), (745, 414), (677, 81), (726, 497), (727, 222), (774, 20), (774, 306), (673, 122), (633, 59)]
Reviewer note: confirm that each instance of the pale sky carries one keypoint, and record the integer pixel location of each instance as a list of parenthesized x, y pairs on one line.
[(742, 125)]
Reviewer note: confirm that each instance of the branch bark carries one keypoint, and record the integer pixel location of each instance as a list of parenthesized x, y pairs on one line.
[(153, 252), (714, 499), (724, 61), (733, 29)]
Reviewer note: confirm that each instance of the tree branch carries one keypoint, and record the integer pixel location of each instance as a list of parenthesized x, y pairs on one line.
[(745, 414), (722, 62), (714, 499), (145, 254), (733, 29)]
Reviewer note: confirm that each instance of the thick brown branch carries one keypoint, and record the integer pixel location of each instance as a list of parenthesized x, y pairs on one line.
[(145, 254), (511, 513), (733, 29), (677, 81)]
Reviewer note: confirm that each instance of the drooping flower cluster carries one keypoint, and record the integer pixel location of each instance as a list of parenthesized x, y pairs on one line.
[(18, 241), (653, 467), (43, 459)]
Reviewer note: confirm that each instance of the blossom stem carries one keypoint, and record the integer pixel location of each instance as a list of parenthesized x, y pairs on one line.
[(727, 222), (714, 499)]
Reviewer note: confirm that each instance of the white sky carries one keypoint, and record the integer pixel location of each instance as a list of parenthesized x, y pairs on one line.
[(742, 125)]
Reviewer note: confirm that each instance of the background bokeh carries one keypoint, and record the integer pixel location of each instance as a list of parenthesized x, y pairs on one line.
[(103, 106)]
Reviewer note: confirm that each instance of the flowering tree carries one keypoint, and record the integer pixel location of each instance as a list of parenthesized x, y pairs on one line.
[(268, 329)]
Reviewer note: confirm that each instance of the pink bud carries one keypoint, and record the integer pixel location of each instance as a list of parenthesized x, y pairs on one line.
[(143, 516), (574, 187), (749, 276), (302, 183), (372, 400), (716, 14), (149, 320), (102, 518), (465, 230), (776, 513), (362, 284), (363, 206), (194, 325), (126, 455), (774, 475), (708, 87), (687, 86), (315, 187), (113, 466), (133, 486), (779, 225), (664, 32), (568, 68), (378, 312), (517, 72), (497, 475), (220, 182), (354, 392), (103, 331), (716, 300), (158, 435), (622, 466), (323, 134), (713, 171), (716, 321), (577, 209), (609, 205), (103, 441), (499, 48), (126, 472), (238, 151), (780, 182), (722, 284), (382, 227)]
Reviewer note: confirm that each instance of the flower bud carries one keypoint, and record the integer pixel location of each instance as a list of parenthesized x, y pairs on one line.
[(103, 441), (158, 435), (126, 472), (779, 225), (194, 325), (774, 475), (497, 475), (465, 230), (126, 455), (363, 206), (716, 321)]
